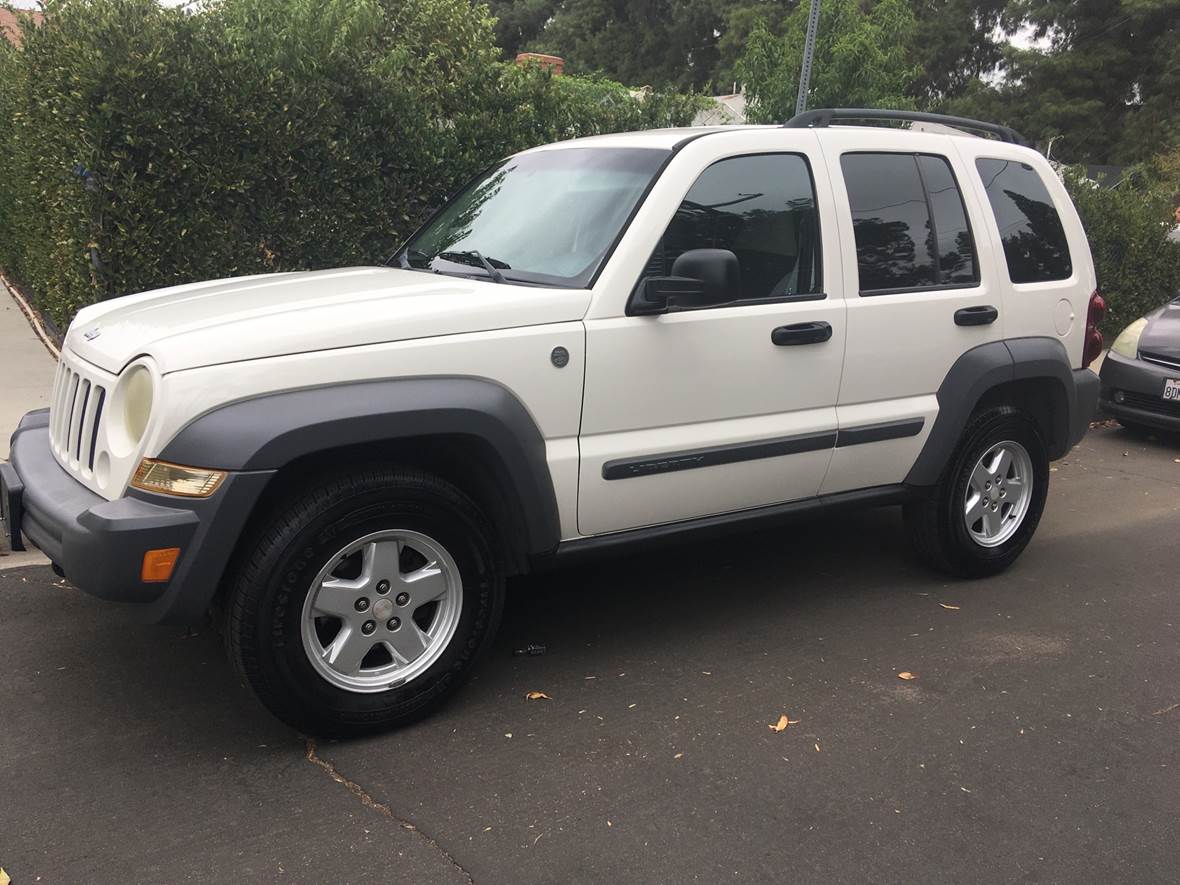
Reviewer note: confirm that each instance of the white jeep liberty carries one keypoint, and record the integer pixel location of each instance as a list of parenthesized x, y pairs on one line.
[(612, 340)]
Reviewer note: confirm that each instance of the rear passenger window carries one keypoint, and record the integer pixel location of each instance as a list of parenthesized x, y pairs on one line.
[(910, 225), (1034, 240), (761, 208)]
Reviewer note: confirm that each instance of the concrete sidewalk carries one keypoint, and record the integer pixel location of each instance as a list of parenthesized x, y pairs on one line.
[(27, 368)]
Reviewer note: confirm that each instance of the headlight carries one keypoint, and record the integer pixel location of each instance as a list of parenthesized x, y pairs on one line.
[(175, 479), (1127, 344), (131, 409), (137, 402)]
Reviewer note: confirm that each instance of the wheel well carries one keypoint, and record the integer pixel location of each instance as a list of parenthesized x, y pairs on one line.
[(469, 462), (1042, 398)]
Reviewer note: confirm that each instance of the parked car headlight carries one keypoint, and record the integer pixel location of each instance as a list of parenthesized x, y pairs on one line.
[(1127, 344)]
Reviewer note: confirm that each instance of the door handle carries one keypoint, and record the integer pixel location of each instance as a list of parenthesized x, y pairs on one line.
[(981, 315), (801, 333)]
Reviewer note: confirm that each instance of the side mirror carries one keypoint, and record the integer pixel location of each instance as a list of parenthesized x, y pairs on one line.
[(700, 278), (655, 294)]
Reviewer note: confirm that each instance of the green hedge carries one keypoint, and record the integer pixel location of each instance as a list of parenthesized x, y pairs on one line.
[(143, 146), (1138, 267)]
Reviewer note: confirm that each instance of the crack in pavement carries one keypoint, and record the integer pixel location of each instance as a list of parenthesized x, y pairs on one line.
[(380, 807)]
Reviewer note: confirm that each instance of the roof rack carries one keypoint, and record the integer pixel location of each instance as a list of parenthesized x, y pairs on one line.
[(824, 117)]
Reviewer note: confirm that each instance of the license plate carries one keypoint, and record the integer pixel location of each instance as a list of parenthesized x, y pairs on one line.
[(1172, 389)]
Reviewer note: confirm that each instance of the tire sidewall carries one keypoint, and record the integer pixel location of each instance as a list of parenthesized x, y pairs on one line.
[(283, 663)]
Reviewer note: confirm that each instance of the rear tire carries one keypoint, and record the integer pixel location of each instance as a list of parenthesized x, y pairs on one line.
[(327, 616), (987, 505)]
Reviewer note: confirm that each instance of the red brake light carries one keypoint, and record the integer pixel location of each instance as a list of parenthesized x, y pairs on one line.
[(1094, 344)]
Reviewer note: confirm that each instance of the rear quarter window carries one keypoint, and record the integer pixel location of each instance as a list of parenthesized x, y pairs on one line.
[(1030, 228)]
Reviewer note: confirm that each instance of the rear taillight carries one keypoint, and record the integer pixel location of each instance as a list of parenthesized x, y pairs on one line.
[(1094, 315)]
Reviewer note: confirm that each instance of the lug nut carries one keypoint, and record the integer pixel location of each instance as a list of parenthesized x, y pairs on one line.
[(403, 598), (362, 604), (393, 623), (368, 627), (383, 587)]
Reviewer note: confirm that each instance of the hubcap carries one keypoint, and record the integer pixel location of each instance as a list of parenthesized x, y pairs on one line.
[(365, 650), (998, 494)]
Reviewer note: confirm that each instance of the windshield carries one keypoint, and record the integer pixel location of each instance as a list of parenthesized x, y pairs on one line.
[(546, 217)]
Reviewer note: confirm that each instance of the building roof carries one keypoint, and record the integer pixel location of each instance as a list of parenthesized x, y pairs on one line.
[(10, 22)]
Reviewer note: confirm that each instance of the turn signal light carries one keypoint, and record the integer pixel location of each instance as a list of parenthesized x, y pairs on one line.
[(175, 479), (158, 565)]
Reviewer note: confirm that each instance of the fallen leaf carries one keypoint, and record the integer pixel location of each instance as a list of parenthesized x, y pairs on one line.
[(950, 608), (906, 675), (609, 824), (783, 722), (4, 880), (487, 829), (507, 734), (678, 756), (817, 748), (537, 696)]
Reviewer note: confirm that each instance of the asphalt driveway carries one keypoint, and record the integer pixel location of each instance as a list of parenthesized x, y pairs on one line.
[(1039, 741)]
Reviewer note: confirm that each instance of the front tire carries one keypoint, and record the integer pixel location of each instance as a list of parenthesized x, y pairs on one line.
[(363, 602), (986, 507)]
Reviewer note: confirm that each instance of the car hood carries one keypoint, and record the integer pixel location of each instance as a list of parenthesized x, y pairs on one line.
[(204, 324), (1161, 337)]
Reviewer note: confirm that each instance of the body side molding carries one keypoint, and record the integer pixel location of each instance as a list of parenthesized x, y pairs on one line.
[(270, 431), (713, 456)]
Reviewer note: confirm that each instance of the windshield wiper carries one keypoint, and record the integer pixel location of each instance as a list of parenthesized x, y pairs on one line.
[(490, 265)]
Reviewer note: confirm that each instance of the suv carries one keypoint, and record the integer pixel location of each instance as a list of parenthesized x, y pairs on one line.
[(603, 342)]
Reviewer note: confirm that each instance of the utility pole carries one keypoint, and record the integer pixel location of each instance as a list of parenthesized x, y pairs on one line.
[(808, 52)]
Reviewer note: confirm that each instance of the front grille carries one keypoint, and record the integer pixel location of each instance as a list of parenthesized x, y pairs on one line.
[(1150, 403), (75, 415), (1165, 361)]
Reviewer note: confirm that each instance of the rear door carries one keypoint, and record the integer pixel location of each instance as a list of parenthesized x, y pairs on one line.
[(920, 285), (698, 411), (1044, 258)]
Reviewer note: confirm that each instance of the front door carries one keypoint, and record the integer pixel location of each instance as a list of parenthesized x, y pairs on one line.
[(704, 411)]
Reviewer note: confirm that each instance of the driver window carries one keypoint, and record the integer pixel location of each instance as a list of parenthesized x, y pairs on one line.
[(762, 208)]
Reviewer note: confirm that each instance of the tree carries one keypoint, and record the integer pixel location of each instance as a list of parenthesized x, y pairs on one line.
[(519, 22), (861, 60), (956, 42), (664, 43), (1106, 88)]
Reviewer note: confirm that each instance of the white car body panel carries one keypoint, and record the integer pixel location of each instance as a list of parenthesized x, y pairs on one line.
[(702, 378), (185, 327)]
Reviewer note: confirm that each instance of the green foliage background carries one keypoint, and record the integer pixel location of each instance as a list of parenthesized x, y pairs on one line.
[(1138, 268), (144, 146)]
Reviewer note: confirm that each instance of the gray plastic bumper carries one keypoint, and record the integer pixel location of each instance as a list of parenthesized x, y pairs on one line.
[(100, 544), (1140, 386)]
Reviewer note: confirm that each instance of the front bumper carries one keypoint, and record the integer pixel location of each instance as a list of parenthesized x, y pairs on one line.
[(100, 544), (1140, 386)]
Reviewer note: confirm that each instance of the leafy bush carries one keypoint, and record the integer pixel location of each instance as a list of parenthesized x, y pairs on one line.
[(149, 146), (1138, 268)]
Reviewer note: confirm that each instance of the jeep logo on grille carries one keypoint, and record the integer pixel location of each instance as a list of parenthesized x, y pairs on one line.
[(92, 334)]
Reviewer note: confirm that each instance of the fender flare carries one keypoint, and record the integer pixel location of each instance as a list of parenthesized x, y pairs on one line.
[(270, 431), (983, 368)]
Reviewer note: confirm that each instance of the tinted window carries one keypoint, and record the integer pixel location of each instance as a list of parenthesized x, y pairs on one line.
[(956, 251), (761, 208), (910, 225), (1034, 240)]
